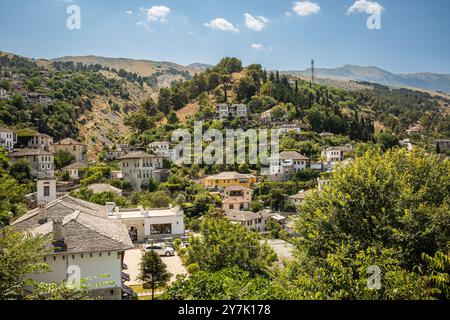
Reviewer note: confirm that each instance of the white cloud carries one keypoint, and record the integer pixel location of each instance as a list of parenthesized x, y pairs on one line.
[(306, 8), (156, 13), (365, 6), (288, 14), (221, 24), (257, 46), (129, 12), (255, 23)]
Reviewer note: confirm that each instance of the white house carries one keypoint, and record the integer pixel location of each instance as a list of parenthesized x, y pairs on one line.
[(7, 138), (287, 163), (85, 244), (153, 224), (250, 220), (139, 167), (225, 111), (336, 154), (41, 161), (161, 148), (4, 94), (287, 128), (236, 198), (75, 168)]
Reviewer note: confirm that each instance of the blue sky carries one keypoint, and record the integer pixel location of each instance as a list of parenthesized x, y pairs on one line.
[(283, 34)]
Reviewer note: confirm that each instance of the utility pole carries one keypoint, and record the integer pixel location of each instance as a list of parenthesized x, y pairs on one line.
[(313, 78)]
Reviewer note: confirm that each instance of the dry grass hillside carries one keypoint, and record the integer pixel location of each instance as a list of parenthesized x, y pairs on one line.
[(104, 125)]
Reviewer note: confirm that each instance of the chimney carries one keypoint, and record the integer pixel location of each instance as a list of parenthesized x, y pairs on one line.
[(42, 215), (58, 236), (110, 208)]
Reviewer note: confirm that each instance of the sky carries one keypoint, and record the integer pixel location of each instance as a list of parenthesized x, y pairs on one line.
[(279, 34)]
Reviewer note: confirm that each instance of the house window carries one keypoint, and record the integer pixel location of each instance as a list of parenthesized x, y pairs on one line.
[(161, 229), (46, 191)]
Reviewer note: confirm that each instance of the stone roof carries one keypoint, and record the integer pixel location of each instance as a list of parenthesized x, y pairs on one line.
[(5, 129), (30, 152), (69, 142), (84, 233), (103, 187), (76, 165), (235, 200), (242, 216), (86, 227), (43, 135), (230, 176), (299, 196), (289, 155), (340, 148), (57, 210), (136, 155)]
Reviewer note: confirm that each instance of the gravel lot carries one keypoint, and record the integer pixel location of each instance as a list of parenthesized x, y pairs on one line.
[(133, 259)]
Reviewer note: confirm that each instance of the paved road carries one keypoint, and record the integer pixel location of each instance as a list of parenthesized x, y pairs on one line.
[(133, 259), (282, 248)]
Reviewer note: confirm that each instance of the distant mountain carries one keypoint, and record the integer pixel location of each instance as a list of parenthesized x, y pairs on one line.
[(428, 81), (200, 66)]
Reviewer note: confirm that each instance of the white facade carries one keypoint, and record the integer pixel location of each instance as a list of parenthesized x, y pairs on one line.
[(287, 129), (226, 111), (4, 94), (161, 148), (89, 265), (7, 139), (138, 168), (46, 191), (287, 166), (150, 223)]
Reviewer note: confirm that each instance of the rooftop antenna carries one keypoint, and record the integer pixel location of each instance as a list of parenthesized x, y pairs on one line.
[(312, 71)]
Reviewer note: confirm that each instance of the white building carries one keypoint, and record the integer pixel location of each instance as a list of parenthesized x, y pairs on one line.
[(41, 161), (227, 112), (74, 169), (287, 163), (236, 198), (149, 224), (46, 191), (336, 154), (4, 94), (139, 167), (84, 242), (7, 138), (287, 128), (40, 98), (250, 220), (161, 148)]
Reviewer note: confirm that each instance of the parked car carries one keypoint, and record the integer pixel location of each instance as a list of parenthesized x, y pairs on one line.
[(160, 250)]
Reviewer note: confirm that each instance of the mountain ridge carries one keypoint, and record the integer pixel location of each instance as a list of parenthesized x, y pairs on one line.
[(373, 74)]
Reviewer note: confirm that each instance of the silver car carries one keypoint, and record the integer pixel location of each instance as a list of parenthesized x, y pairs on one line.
[(160, 250)]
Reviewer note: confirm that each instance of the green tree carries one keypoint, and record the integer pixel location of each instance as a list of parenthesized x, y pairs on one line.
[(21, 171), (20, 255), (224, 244), (154, 272), (63, 159)]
